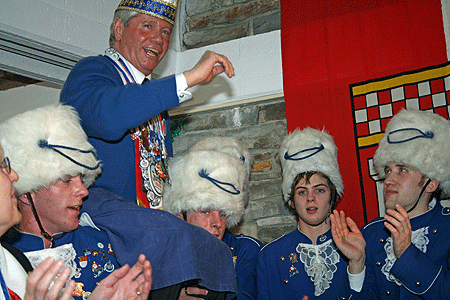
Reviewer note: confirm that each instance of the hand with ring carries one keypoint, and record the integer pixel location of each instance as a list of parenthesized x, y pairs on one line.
[(126, 282)]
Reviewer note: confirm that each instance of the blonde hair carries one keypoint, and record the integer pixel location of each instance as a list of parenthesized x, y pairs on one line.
[(2, 155)]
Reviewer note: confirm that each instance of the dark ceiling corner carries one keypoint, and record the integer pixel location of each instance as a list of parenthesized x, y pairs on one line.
[(9, 80)]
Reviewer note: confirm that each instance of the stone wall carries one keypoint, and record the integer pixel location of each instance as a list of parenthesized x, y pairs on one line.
[(261, 127), (209, 22)]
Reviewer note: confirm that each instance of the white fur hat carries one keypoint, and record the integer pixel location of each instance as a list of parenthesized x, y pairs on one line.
[(419, 139), (232, 146), (206, 180), (46, 144), (309, 150), (229, 145)]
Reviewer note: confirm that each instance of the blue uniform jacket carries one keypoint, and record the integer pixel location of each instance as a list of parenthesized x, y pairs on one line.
[(423, 270), (244, 250), (108, 110), (177, 250), (281, 272), (94, 259)]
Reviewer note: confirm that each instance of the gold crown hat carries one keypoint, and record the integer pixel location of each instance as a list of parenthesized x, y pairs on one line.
[(206, 179), (420, 140), (46, 144), (309, 150), (163, 9)]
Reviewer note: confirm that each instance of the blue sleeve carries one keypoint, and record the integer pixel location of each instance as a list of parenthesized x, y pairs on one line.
[(262, 280), (246, 268), (422, 276), (107, 108), (177, 250), (345, 292)]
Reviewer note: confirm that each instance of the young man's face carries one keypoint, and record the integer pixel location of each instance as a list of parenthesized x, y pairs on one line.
[(214, 221), (144, 42), (59, 206), (402, 185), (312, 201)]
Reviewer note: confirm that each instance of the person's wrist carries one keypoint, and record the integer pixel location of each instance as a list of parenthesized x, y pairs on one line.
[(357, 266)]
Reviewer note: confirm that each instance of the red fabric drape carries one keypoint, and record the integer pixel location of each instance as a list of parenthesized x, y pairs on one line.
[(329, 45)]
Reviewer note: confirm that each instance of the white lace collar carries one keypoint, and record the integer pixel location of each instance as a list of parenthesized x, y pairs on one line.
[(418, 238), (320, 263)]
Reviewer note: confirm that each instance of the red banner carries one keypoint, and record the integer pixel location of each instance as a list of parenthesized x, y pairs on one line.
[(328, 47)]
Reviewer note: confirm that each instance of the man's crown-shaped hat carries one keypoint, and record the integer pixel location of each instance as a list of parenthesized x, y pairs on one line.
[(163, 9)]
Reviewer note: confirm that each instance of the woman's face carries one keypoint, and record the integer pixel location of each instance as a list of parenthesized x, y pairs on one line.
[(9, 213)]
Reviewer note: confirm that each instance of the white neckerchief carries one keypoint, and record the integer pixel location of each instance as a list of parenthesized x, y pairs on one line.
[(136, 75), (320, 263), (13, 273)]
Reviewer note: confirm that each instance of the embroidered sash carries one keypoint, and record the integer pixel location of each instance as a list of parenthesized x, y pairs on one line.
[(150, 150)]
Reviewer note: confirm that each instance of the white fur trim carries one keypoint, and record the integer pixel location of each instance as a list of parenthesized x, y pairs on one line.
[(324, 161), (431, 157), (39, 167), (233, 147), (190, 192)]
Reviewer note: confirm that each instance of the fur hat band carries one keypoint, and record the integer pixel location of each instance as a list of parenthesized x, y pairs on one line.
[(315, 149), (203, 174), (45, 144), (407, 134)]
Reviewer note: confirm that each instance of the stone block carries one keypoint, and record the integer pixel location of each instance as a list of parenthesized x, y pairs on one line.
[(269, 234), (265, 188), (249, 229), (200, 38), (227, 15), (263, 208), (277, 221), (266, 23), (261, 166), (272, 112), (242, 116), (196, 7), (258, 176)]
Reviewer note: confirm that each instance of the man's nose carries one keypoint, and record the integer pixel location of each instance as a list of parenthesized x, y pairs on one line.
[(216, 220), (310, 196), (81, 189)]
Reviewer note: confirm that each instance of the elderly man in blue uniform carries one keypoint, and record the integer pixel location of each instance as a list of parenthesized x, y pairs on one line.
[(305, 263), (209, 185), (124, 112), (408, 250), (56, 164)]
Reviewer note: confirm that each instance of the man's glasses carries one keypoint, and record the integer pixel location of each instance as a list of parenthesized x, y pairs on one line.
[(5, 165)]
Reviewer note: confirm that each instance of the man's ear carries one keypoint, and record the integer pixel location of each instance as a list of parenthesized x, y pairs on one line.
[(432, 186), (118, 28), (23, 199)]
